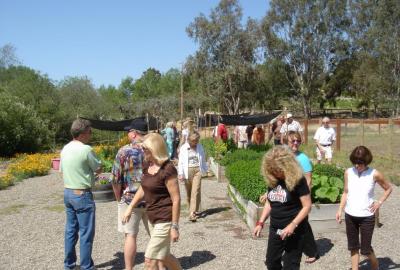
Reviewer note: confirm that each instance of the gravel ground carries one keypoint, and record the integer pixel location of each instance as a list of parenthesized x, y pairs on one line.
[(32, 226)]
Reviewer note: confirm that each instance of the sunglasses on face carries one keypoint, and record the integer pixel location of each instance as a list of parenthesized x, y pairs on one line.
[(325, 122), (295, 141)]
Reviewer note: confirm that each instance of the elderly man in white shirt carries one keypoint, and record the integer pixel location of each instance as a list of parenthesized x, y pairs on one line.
[(290, 125), (324, 137)]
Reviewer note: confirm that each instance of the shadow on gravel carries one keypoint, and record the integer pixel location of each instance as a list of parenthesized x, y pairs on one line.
[(324, 245), (385, 263), (197, 258), (118, 262), (213, 211)]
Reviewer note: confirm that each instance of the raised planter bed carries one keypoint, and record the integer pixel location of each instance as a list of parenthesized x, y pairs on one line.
[(217, 170), (321, 218)]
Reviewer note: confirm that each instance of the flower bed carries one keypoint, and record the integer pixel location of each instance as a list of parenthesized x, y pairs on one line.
[(26, 166)]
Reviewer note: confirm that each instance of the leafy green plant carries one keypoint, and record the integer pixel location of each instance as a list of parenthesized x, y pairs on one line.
[(220, 150), (326, 189), (245, 176), (328, 170), (209, 147), (240, 154), (259, 148)]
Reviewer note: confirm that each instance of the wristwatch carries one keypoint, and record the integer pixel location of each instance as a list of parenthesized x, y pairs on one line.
[(175, 226)]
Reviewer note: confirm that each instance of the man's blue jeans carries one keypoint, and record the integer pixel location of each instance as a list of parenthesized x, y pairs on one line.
[(80, 210)]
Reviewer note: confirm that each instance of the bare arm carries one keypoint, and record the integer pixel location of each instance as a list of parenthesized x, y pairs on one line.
[(139, 195), (305, 210), (308, 177), (173, 189), (343, 199), (380, 179), (264, 215)]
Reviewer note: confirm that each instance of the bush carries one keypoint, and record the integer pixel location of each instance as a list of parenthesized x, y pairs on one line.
[(209, 146), (259, 148), (245, 176), (106, 153), (22, 131), (329, 170)]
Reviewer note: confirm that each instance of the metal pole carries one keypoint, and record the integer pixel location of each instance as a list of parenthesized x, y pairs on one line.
[(181, 96)]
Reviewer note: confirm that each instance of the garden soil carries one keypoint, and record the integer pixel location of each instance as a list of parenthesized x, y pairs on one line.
[(32, 222)]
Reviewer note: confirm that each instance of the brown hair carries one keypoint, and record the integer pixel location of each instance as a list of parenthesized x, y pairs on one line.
[(361, 155)]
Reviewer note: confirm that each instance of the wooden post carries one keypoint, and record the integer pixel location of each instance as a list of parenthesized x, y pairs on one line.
[(391, 133), (379, 128), (306, 131), (338, 133), (362, 132)]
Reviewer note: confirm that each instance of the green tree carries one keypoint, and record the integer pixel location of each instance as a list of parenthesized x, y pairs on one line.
[(310, 37), (22, 130), (34, 90), (224, 64), (376, 38), (8, 56)]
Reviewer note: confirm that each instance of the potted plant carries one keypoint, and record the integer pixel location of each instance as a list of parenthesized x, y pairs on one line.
[(102, 189)]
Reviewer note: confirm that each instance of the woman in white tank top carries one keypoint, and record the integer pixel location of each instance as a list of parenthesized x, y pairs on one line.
[(359, 205)]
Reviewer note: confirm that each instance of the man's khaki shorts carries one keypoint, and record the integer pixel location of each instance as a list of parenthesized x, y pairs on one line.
[(159, 245), (132, 227)]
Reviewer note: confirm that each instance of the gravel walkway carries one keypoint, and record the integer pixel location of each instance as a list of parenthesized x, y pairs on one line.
[(32, 226)]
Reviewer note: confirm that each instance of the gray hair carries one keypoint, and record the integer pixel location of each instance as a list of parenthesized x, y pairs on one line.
[(79, 126)]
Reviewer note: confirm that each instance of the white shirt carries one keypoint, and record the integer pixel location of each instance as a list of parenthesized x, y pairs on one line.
[(242, 135), (183, 163), (193, 159), (360, 194), (294, 126), (325, 135)]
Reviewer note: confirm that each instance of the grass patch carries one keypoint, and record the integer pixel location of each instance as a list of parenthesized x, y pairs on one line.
[(12, 209), (59, 208), (383, 163)]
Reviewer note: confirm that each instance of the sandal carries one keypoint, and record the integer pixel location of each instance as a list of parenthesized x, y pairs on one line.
[(193, 217), (311, 260)]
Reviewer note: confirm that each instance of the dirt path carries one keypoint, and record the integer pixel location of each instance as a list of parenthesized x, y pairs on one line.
[(32, 222)]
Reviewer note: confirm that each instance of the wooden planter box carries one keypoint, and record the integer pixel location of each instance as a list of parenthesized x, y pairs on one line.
[(321, 218)]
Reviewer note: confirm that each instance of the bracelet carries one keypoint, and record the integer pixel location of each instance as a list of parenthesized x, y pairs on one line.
[(294, 223), (175, 226), (259, 223), (380, 202)]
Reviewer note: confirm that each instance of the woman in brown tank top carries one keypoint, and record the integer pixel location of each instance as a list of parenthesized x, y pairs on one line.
[(160, 189)]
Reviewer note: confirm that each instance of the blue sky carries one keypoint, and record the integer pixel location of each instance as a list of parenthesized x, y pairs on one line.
[(105, 40)]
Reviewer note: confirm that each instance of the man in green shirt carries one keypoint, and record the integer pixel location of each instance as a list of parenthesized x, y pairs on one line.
[(78, 166)]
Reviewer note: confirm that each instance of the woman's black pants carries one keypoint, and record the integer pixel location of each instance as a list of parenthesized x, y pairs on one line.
[(287, 251), (310, 247)]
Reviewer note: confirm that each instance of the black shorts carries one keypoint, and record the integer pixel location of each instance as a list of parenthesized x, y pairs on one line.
[(360, 226)]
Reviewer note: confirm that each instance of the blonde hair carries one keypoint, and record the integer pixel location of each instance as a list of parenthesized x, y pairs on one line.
[(194, 136), (280, 158), (155, 143), (169, 125)]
